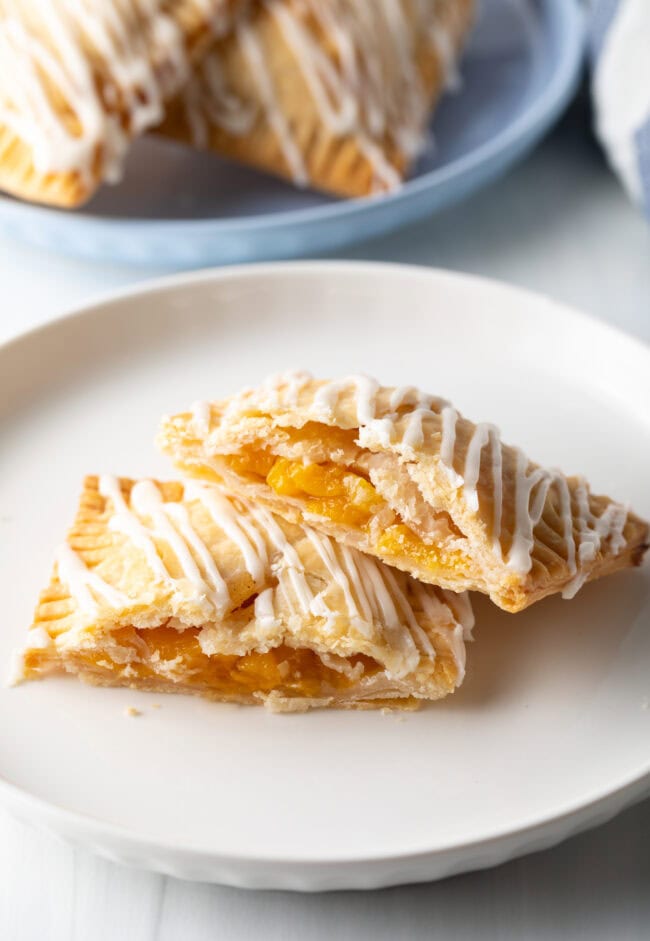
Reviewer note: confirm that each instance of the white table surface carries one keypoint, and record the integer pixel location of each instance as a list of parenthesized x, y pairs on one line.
[(558, 224)]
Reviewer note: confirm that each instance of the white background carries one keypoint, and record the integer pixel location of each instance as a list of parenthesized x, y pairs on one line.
[(558, 224)]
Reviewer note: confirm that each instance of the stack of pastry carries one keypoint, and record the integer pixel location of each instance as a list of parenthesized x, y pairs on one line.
[(332, 93), (319, 551)]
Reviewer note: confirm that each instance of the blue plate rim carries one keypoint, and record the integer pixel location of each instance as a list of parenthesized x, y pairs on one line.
[(513, 140)]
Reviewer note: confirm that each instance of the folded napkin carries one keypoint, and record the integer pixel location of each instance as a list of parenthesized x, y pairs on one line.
[(620, 52)]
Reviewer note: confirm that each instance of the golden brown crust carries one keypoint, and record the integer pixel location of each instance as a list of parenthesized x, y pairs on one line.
[(577, 537), (335, 162)]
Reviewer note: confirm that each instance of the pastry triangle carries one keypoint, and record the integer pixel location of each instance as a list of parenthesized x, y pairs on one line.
[(181, 588), (80, 78), (335, 94), (404, 477)]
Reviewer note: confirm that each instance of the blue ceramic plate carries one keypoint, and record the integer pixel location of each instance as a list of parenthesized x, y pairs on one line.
[(183, 209)]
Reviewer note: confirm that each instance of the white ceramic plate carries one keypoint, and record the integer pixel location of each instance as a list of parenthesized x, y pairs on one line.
[(551, 729)]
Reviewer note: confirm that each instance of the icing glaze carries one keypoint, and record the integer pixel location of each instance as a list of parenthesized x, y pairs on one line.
[(84, 584), (214, 585), (274, 114), (201, 417), (265, 610), (127, 523), (223, 514)]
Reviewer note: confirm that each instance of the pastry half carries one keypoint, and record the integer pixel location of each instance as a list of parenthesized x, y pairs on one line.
[(180, 588), (330, 93), (403, 476), (79, 80)]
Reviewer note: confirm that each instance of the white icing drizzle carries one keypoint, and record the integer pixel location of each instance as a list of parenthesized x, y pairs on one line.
[(400, 395), (382, 605), (326, 549), (338, 109), (409, 395), (399, 631), (271, 387), (457, 632), (385, 175), (413, 434), (449, 417), (532, 485), (461, 605), (357, 583), (114, 94), (472, 469), (146, 500), (126, 522), (611, 525), (419, 636), (496, 459), (383, 429), (519, 556), (210, 99), (290, 560), (371, 88), (274, 113), (216, 588), (224, 516), (365, 397), (265, 610), (83, 584), (296, 381), (445, 48), (592, 532), (201, 418)]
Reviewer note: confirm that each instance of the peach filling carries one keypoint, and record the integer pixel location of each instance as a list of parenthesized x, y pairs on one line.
[(177, 655), (343, 496), (399, 541), (329, 491)]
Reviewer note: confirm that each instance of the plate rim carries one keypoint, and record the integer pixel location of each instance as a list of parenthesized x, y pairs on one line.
[(629, 791), (152, 285), (470, 170), (139, 847)]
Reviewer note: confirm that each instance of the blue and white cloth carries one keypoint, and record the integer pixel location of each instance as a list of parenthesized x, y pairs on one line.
[(619, 33)]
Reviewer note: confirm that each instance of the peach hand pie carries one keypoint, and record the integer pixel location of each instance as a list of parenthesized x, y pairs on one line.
[(180, 588), (404, 477), (80, 78), (331, 93)]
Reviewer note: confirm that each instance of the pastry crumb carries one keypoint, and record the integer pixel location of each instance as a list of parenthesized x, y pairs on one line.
[(155, 705), (131, 711), (397, 714)]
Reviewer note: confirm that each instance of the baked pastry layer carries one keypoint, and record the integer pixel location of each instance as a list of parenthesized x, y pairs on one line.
[(180, 588), (403, 476), (80, 78), (331, 93)]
